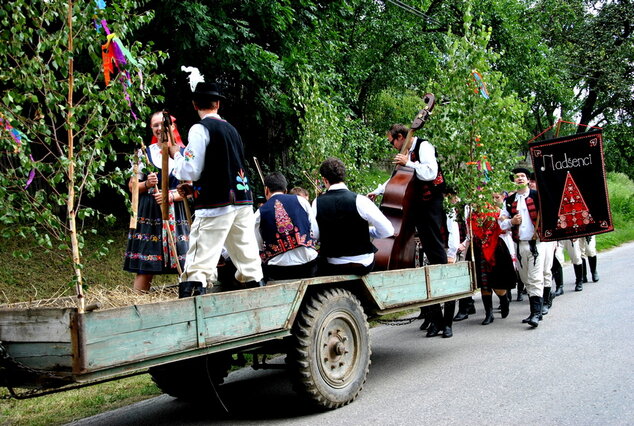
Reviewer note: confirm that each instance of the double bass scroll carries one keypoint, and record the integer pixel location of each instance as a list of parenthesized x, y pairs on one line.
[(399, 251)]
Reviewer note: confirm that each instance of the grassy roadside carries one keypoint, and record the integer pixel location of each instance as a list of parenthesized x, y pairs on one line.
[(47, 274)]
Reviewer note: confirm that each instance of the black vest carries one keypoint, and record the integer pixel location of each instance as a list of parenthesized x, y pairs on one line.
[(426, 190), (284, 226), (223, 181), (342, 231)]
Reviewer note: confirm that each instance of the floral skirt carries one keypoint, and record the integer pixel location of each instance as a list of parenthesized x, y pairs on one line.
[(148, 251)]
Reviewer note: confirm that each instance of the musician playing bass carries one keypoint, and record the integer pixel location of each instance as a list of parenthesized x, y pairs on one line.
[(427, 205)]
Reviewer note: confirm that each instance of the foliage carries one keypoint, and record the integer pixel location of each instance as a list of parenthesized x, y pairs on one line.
[(35, 79)]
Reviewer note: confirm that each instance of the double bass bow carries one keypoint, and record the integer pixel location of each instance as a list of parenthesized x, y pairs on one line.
[(399, 251)]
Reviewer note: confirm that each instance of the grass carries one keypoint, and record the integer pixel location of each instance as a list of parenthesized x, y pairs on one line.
[(47, 274)]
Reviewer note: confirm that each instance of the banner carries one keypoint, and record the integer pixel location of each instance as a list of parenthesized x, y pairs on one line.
[(572, 186)]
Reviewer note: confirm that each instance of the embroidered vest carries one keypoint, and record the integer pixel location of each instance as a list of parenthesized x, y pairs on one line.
[(284, 226), (223, 181), (532, 204), (343, 232), (428, 189)]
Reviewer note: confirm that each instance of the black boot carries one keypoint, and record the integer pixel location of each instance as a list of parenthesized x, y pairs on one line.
[(463, 306), (509, 295), (546, 301), (592, 261), (536, 309), (450, 307), (578, 277), (471, 306), (558, 277), (584, 270), (425, 315), (190, 289), (487, 301), (255, 284), (435, 318), (504, 304), (520, 290)]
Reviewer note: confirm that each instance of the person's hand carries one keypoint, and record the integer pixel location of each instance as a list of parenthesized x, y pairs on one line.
[(173, 150), (371, 196), (158, 197), (400, 159), (451, 260), (185, 189), (461, 248), (517, 219), (151, 181)]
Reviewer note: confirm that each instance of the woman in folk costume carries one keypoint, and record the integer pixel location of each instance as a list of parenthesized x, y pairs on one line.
[(494, 264), (148, 253)]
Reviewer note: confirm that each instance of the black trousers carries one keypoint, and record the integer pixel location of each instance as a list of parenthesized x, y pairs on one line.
[(429, 218), (274, 272)]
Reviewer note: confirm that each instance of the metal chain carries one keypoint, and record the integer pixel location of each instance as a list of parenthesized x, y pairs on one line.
[(398, 321)]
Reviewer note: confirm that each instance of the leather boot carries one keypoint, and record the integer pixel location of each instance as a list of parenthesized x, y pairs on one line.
[(504, 304), (435, 318), (471, 306), (578, 277), (592, 261), (487, 301), (463, 306), (190, 289), (450, 307), (520, 290), (584, 270), (536, 309), (558, 277), (546, 301), (255, 284)]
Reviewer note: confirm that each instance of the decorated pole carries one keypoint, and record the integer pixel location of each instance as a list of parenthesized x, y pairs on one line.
[(134, 200), (70, 202), (165, 173)]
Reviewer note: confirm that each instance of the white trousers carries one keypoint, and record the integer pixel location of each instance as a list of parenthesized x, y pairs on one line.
[(535, 272), (574, 251), (588, 249), (235, 231)]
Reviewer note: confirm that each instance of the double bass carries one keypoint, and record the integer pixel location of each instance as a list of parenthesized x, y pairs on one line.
[(399, 251)]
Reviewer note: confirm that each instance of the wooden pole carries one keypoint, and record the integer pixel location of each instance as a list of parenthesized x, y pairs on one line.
[(70, 202), (165, 176), (134, 199)]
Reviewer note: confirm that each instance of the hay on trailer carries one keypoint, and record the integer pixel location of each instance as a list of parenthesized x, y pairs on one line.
[(102, 298)]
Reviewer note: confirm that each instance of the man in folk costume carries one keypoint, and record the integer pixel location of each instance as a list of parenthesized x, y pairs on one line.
[(428, 213), (535, 257), (286, 230), (214, 161), (347, 222)]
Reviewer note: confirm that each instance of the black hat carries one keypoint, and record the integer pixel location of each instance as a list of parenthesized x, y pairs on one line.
[(520, 170), (208, 90)]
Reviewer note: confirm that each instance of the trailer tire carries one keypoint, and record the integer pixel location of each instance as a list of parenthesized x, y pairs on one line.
[(192, 379), (331, 349)]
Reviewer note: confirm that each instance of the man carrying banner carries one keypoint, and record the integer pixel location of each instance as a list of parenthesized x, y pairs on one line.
[(535, 257)]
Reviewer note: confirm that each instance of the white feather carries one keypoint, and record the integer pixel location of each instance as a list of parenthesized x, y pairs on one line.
[(195, 76)]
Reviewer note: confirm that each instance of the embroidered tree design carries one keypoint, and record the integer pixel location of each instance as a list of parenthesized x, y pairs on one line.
[(573, 211)]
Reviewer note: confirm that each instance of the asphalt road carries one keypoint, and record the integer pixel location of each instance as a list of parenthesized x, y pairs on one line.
[(574, 369)]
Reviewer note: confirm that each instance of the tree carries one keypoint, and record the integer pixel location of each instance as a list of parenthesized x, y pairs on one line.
[(53, 93)]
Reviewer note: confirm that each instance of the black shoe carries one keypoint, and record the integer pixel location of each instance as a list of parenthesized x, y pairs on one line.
[(592, 261), (595, 276), (471, 310), (578, 286), (536, 309), (254, 284), (190, 289), (432, 331), (460, 316), (547, 300), (447, 332), (488, 319), (559, 290), (584, 270)]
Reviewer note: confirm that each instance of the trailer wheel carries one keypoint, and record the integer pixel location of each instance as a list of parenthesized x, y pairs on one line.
[(192, 379), (331, 349)]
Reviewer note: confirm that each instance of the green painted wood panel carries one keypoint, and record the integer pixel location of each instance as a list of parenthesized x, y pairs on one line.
[(447, 280), (43, 356), (35, 325), (395, 288)]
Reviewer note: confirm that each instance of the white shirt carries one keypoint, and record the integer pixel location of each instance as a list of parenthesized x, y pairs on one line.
[(297, 256), (426, 168), (380, 226), (190, 164), (526, 229)]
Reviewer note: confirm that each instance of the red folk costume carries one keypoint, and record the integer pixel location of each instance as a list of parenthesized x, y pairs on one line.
[(494, 264)]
